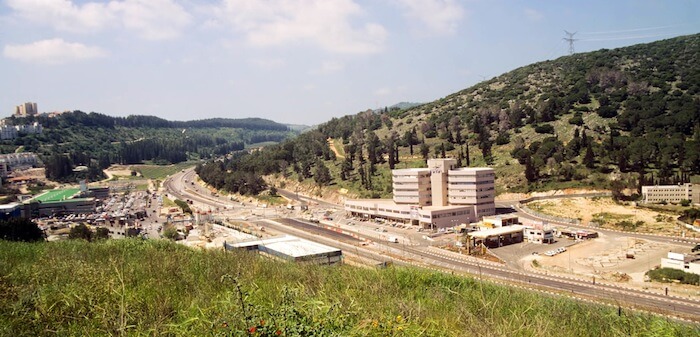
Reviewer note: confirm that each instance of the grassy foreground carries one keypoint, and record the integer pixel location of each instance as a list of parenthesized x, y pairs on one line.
[(134, 287)]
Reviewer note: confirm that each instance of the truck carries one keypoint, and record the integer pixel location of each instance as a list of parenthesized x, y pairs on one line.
[(393, 239)]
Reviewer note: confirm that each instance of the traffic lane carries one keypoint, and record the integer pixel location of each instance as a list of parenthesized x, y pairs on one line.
[(318, 230)]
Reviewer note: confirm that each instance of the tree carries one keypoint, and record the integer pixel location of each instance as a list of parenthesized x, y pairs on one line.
[(466, 154), (20, 229), (530, 170), (589, 158), (170, 232), (80, 231), (322, 176), (183, 206), (101, 233), (424, 150)]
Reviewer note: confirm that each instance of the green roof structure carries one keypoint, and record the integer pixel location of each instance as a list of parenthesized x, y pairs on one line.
[(56, 195)]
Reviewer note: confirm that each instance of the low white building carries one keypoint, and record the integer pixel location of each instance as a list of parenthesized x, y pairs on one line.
[(685, 262), (671, 193), (539, 234), (291, 248)]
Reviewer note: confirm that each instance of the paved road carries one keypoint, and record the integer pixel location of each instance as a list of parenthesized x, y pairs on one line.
[(443, 260)]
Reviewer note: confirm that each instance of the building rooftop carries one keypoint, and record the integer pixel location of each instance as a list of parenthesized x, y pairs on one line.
[(289, 245), (9, 206), (472, 169), (483, 234), (411, 170), (55, 195)]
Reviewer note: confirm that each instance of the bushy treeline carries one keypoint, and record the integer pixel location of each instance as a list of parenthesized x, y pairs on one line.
[(94, 119), (242, 173), (96, 141)]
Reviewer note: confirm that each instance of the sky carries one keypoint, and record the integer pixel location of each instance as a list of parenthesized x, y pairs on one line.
[(294, 61)]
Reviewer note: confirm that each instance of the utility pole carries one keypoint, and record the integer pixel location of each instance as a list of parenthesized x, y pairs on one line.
[(570, 39)]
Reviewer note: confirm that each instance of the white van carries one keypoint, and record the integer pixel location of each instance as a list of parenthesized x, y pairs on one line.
[(393, 239)]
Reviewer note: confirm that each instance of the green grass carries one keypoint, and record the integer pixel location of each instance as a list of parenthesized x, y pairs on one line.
[(57, 195), (137, 287), (608, 218), (161, 171), (168, 203)]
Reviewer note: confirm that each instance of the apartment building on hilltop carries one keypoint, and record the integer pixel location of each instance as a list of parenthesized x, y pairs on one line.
[(26, 109)]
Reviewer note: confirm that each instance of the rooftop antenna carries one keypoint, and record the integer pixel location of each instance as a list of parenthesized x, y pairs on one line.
[(570, 39)]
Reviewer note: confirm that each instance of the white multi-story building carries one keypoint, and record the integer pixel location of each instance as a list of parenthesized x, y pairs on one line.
[(439, 196), (671, 193), (412, 186), (11, 161), (8, 131)]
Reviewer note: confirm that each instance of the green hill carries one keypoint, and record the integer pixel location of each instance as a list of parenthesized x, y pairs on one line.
[(95, 140), (136, 287), (605, 119)]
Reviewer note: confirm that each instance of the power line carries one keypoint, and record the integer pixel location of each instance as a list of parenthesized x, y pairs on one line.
[(571, 40)]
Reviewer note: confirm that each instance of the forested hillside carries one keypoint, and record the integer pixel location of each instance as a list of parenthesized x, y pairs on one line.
[(97, 141), (606, 119)]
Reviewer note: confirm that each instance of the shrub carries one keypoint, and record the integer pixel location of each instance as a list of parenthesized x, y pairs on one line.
[(544, 128), (576, 120), (670, 275), (607, 112), (503, 138)]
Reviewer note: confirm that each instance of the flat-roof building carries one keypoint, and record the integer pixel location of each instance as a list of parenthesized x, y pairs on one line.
[(291, 248), (439, 196), (58, 202), (686, 262), (671, 193)]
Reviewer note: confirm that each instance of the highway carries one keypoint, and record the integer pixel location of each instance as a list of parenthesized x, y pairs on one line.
[(438, 259)]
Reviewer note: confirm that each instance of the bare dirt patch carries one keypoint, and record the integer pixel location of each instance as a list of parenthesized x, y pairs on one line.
[(608, 214), (118, 170)]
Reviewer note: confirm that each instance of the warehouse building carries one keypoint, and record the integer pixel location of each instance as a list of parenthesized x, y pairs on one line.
[(291, 248), (438, 196)]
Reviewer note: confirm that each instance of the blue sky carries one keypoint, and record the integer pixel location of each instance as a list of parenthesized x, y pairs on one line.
[(293, 61)]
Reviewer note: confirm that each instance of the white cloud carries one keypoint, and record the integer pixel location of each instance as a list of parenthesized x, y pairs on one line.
[(533, 15), (325, 23), (330, 67), (383, 92), (64, 14), (151, 19), (154, 19), (269, 63), (54, 51), (437, 16)]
